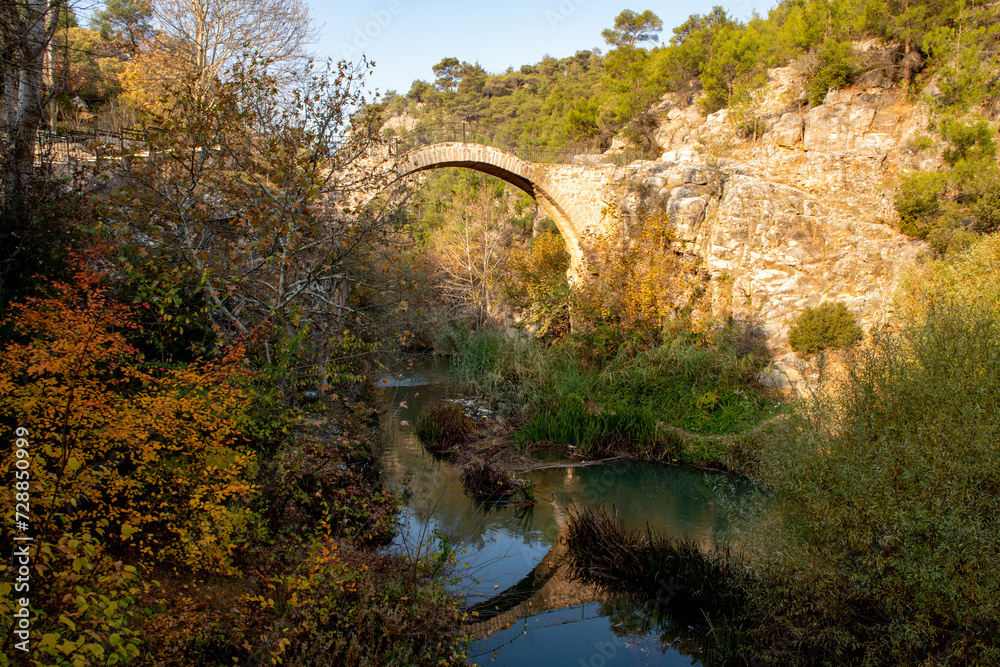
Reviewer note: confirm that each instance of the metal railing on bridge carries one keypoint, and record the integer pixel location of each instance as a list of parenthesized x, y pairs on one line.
[(83, 145), (470, 133)]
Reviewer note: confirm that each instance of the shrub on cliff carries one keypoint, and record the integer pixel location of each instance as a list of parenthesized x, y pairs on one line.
[(828, 326), (835, 69), (950, 208)]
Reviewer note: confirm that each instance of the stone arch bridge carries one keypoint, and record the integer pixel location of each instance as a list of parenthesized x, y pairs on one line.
[(575, 196)]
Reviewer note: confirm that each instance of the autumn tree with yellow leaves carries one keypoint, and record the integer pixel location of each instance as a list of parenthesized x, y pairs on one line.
[(125, 463), (194, 43), (642, 282)]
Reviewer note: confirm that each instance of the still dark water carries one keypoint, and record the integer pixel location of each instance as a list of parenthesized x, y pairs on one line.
[(510, 568)]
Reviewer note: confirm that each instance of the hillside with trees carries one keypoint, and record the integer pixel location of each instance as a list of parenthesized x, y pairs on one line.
[(716, 61)]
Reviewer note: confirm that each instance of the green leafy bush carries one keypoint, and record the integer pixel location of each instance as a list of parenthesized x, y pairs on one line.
[(836, 70), (917, 200), (950, 208), (882, 503), (828, 326), (969, 141)]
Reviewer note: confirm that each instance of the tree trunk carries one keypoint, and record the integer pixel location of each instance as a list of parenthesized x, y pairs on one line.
[(28, 26)]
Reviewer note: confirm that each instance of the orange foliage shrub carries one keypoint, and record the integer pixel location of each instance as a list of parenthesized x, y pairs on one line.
[(149, 462)]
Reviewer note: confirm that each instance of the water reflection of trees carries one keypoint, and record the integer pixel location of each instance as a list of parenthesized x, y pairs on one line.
[(635, 615), (667, 499)]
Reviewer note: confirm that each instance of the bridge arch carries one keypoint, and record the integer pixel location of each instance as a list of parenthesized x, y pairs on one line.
[(532, 178)]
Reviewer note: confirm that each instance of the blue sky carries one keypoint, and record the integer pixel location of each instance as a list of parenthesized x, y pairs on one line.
[(406, 38)]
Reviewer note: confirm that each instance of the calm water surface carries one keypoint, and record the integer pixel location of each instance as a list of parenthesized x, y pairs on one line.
[(531, 612)]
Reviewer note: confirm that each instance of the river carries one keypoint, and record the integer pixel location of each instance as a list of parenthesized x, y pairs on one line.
[(530, 611)]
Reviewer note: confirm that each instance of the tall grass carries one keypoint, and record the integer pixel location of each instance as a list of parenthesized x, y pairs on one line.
[(602, 390), (511, 371), (704, 382), (572, 422)]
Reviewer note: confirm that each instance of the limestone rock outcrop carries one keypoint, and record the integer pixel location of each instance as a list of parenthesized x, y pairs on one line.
[(802, 216)]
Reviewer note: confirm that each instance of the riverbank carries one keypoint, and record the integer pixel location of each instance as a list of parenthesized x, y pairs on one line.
[(874, 541), (511, 569), (685, 397)]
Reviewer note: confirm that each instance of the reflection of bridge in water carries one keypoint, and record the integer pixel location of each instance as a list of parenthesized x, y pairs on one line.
[(548, 587), (530, 603)]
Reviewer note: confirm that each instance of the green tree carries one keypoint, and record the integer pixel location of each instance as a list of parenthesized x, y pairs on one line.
[(448, 73), (631, 89), (126, 23), (631, 29), (581, 121), (537, 283), (679, 67), (420, 91), (736, 66)]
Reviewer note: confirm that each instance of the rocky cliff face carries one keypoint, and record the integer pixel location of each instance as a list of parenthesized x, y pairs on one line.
[(800, 216)]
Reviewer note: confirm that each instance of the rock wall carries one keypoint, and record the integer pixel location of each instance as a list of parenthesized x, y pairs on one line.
[(802, 216)]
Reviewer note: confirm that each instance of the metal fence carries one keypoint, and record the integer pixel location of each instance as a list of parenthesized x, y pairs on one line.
[(83, 145)]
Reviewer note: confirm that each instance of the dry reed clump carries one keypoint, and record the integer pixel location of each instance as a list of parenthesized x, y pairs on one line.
[(486, 483), (444, 426), (675, 572)]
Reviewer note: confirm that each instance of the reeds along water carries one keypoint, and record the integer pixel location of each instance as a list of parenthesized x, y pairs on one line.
[(675, 572), (444, 426), (487, 483)]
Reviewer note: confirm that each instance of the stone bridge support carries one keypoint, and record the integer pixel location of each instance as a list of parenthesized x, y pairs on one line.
[(573, 196)]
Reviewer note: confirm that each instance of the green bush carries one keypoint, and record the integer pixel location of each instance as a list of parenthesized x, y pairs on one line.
[(702, 382), (917, 201), (828, 326), (879, 529), (949, 208), (969, 141), (836, 70)]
